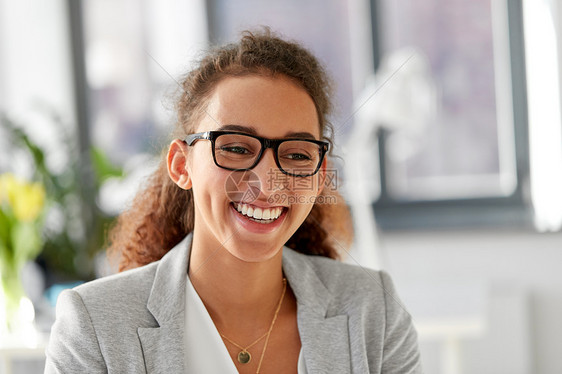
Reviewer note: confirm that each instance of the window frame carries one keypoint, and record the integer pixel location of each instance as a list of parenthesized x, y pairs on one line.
[(513, 210)]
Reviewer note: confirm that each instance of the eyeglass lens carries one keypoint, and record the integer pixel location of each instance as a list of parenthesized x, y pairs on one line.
[(237, 151)]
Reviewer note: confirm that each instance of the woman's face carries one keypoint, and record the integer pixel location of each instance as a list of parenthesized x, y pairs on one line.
[(268, 107)]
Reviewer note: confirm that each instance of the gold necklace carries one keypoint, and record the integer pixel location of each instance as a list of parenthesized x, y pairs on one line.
[(244, 356)]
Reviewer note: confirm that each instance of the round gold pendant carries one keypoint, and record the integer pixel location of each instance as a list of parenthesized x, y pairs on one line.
[(244, 357)]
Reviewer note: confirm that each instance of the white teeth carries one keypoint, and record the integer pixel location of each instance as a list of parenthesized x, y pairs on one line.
[(259, 213), (266, 213)]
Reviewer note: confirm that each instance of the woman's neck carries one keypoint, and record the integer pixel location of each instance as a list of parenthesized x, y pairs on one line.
[(238, 295)]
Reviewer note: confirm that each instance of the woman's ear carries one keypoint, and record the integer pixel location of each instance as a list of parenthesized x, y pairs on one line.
[(177, 164)]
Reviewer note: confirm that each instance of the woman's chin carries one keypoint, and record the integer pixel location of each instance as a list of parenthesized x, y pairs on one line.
[(256, 252)]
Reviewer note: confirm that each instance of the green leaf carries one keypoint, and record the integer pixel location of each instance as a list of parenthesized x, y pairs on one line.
[(26, 242), (103, 166), (5, 227)]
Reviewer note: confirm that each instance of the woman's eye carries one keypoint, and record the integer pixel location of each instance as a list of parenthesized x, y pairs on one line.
[(235, 149), (297, 156)]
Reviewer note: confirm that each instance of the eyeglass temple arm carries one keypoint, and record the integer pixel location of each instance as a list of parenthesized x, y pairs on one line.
[(190, 139)]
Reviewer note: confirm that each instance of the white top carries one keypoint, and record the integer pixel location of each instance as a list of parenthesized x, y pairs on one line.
[(205, 351)]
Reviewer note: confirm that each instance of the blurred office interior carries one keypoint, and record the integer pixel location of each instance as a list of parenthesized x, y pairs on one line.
[(447, 121)]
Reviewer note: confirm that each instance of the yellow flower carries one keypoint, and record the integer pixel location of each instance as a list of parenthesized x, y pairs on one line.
[(26, 200), (8, 184)]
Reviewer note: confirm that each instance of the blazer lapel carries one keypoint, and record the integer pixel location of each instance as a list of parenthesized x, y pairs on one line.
[(163, 349), (163, 345), (324, 334)]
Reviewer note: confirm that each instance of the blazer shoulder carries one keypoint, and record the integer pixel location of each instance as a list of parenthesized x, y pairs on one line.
[(344, 280), (94, 321), (334, 273), (360, 287), (127, 289)]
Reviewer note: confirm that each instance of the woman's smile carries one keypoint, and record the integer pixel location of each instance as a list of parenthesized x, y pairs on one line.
[(248, 217), (255, 213)]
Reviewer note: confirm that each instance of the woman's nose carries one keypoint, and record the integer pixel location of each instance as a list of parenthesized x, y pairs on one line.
[(271, 178)]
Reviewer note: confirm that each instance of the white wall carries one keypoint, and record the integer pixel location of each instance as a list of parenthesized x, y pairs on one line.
[(526, 263)]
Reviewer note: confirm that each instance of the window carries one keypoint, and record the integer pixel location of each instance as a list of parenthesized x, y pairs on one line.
[(133, 53), (462, 159)]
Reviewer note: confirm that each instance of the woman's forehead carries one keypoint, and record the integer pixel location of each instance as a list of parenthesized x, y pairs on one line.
[(268, 106)]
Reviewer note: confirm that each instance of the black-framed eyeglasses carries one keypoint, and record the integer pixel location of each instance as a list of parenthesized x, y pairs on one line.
[(239, 151)]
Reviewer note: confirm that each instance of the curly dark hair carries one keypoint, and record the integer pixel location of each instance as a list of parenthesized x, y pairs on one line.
[(162, 214)]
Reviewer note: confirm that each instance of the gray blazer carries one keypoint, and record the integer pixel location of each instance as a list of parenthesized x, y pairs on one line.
[(349, 319)]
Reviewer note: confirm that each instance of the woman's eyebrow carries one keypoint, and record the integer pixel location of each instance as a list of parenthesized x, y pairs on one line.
[(305, 135), (240, 128), (251, 130)]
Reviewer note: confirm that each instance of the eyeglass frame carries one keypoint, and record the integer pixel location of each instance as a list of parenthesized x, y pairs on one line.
[(265, 144)]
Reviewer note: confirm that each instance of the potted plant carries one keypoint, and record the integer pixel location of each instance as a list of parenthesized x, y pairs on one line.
[(22, 206)]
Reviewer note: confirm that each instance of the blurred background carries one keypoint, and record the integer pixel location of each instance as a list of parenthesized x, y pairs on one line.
[(447, 123)]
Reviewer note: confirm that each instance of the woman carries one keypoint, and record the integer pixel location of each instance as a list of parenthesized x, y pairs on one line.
[(233, 246)]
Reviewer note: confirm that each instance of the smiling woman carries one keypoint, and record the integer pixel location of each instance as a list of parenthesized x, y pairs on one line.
[(239, 282)]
